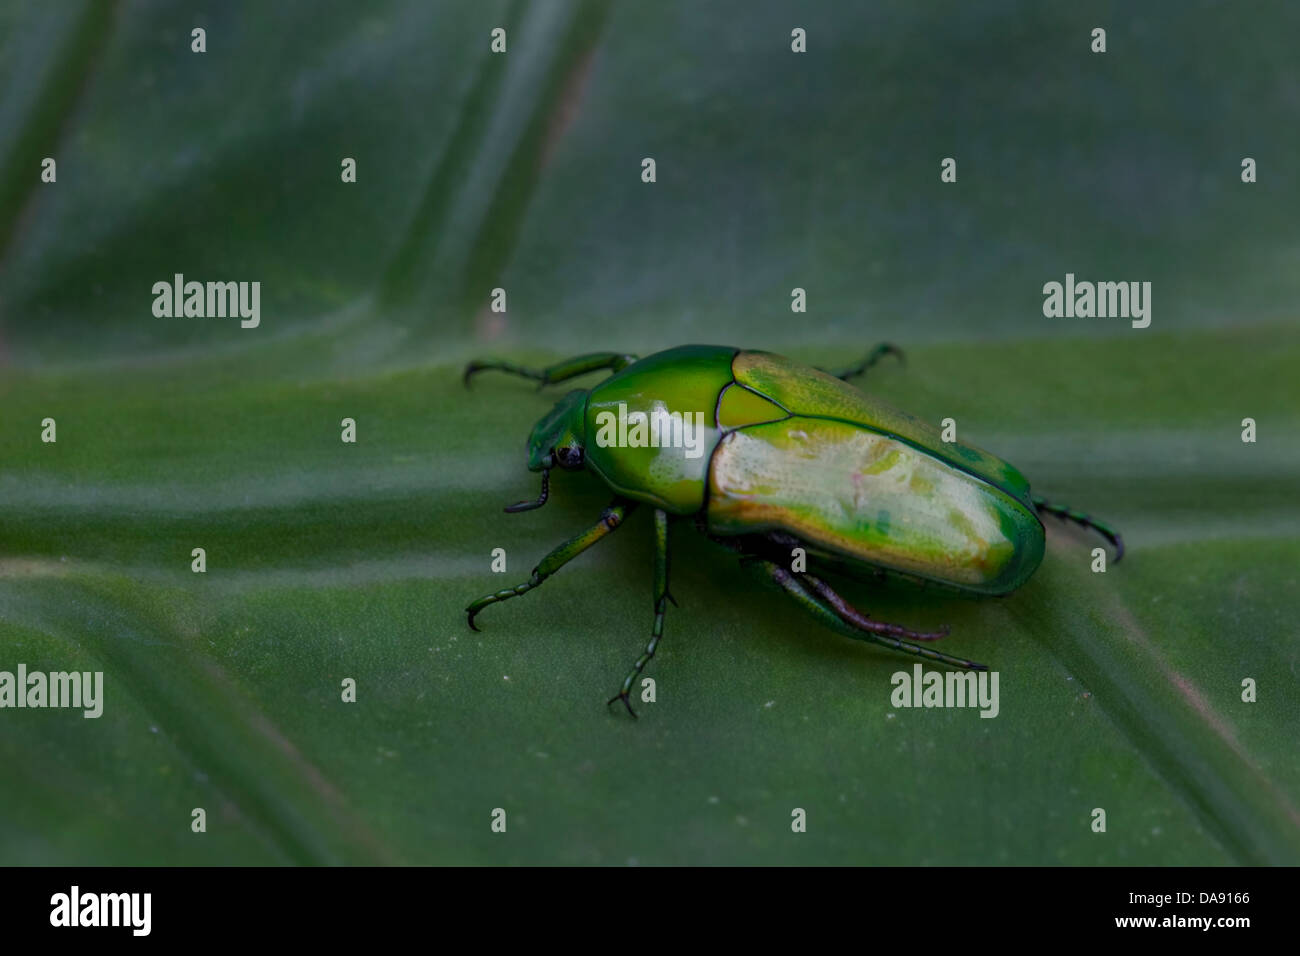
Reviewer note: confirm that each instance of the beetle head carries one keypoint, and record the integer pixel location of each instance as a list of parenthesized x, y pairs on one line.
[(558, 439)]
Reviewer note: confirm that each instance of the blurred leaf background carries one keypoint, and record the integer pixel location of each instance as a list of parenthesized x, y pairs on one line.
[(775, 170)]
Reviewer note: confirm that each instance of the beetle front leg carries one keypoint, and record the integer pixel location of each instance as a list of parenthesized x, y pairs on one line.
[(879, 352), (662, 597), (560, 371), (609, 521)]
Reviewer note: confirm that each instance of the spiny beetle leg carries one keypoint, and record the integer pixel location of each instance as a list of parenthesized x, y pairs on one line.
[(1066, 513), (662, 597), (610, 519), (827, 616), (879, 352), (851, 615), (560, 371)]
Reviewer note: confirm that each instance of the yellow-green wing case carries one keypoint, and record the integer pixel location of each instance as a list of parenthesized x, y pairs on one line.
[(856, 494), (806, 391), (859, 480)]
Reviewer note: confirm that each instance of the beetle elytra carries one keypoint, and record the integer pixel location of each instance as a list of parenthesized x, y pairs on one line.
[(793, 457)]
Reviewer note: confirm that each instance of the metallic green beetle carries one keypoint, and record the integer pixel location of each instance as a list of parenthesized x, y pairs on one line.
[(768, 455)]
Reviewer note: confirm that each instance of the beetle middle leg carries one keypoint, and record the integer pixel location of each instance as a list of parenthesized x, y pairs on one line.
[(810, 597), (879, 352), (609, 521), (662, 597)]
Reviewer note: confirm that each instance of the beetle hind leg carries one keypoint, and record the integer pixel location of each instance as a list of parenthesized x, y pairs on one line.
[(609, 521), (822, 602), (1066, 513), (876, 354), (851, 615), (662, 597)]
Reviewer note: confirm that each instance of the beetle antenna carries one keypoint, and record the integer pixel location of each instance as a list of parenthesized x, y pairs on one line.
[(541, 499)]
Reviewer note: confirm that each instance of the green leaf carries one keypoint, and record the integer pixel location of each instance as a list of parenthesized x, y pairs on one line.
[(326, 561)]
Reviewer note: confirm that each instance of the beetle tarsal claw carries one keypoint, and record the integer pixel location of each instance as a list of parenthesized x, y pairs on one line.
[(622, 695), (541, 499)]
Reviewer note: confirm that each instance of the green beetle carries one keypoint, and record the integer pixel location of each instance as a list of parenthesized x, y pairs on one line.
[(768, 455)]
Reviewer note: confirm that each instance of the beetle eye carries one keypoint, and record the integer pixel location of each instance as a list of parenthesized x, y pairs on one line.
[(568, 457)]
